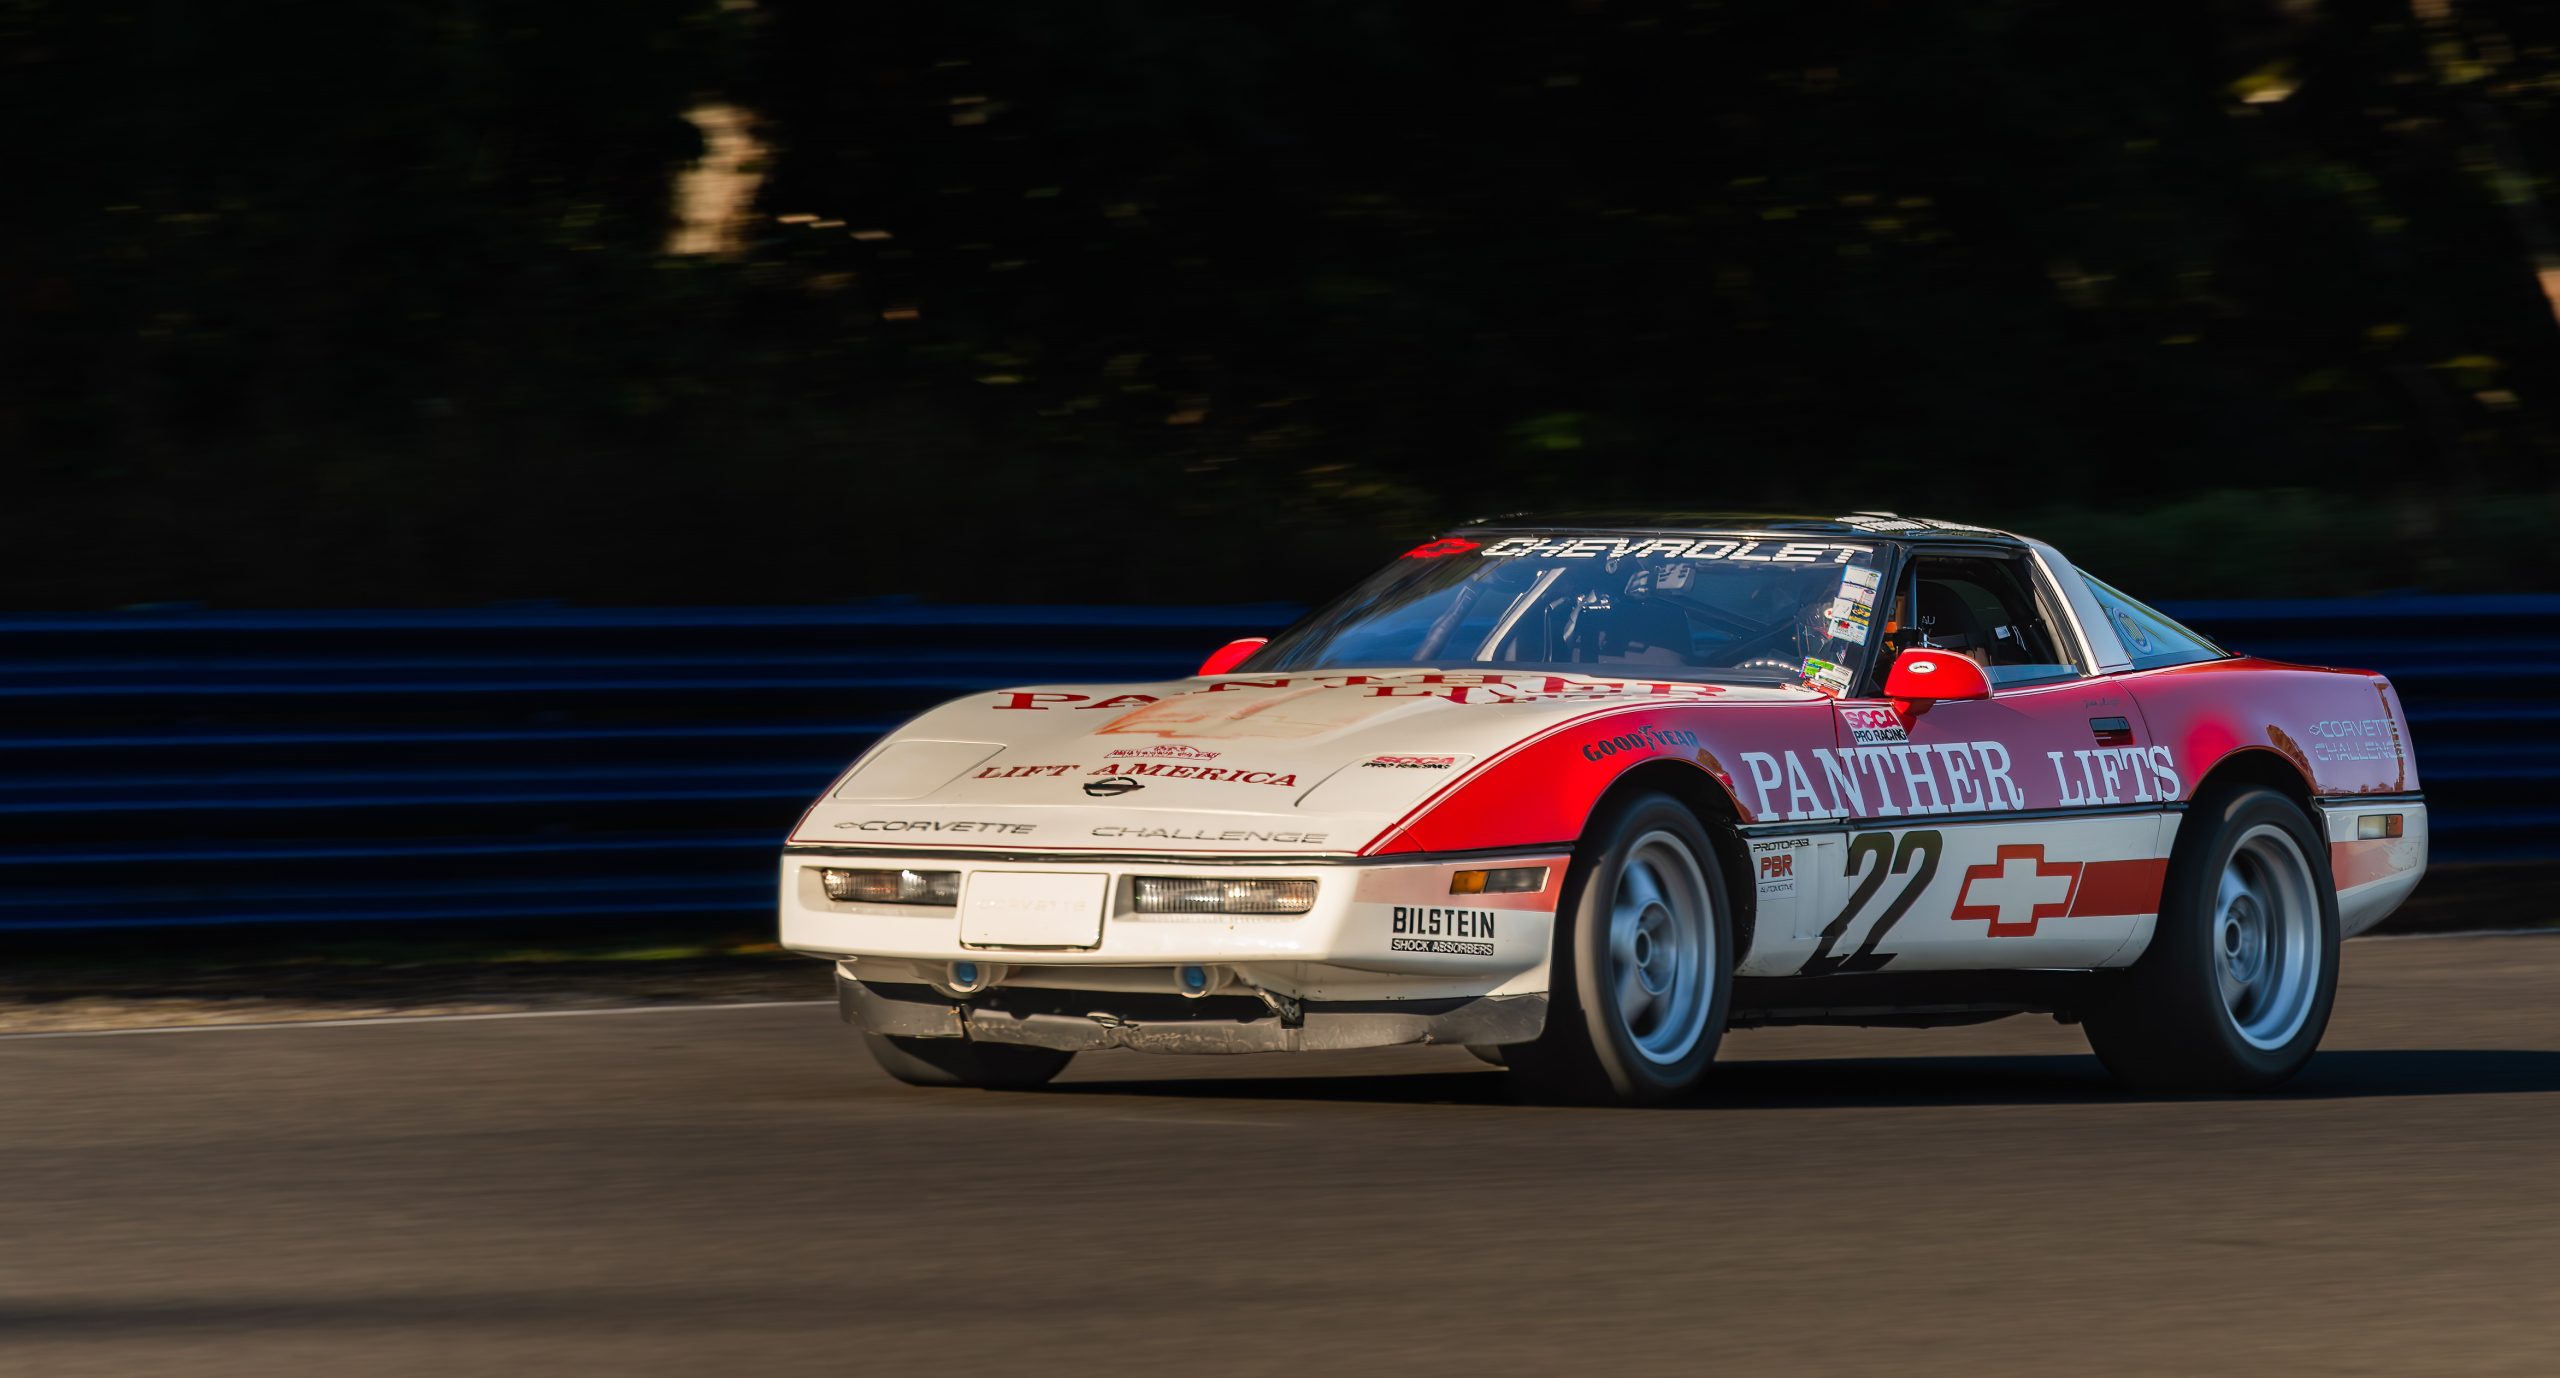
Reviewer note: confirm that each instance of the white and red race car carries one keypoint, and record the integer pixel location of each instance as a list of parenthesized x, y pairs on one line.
[(1583, 794)]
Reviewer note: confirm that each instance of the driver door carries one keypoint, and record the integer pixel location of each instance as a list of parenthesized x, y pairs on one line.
[(2028, 829)]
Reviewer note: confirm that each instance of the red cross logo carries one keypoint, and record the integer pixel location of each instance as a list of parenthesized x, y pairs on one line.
[(2017, 890)]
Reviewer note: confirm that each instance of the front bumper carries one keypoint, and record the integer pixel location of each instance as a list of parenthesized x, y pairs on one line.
[(1378, 932), (1158, 1023)]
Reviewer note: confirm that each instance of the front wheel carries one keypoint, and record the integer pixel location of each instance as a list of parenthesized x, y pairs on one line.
[(2235, 989), (1642, 973), (965, 1062)]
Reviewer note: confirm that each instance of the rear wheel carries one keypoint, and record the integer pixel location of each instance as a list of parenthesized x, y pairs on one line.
[(2236, 987), (965, 1062), (1642, 974)]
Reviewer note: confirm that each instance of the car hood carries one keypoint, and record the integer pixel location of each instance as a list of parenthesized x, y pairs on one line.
[(1269, 764)]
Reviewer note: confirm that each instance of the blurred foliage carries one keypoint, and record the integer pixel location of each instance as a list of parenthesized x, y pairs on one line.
[(1160, 300)]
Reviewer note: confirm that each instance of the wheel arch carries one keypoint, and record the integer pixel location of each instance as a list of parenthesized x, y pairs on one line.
[(1707, 797), (2256, 765)]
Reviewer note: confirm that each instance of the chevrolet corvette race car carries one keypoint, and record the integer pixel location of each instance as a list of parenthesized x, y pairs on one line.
[(1582, 794)]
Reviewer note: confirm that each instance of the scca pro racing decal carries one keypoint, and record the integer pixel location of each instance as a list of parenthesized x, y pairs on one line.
[(1448, 932), (1873, 727)]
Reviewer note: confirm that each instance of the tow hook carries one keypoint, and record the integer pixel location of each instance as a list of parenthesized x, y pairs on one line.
[(1292, 1014)]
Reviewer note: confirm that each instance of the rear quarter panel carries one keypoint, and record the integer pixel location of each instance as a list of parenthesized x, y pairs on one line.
[(2343, 731)]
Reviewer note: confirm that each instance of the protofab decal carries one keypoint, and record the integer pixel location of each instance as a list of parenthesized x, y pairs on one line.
[(1775, 865), (1674, 548), (1410, 763)]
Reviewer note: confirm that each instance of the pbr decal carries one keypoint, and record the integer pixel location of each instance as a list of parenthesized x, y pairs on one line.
[(1883, 781), (1873, 727), (1775, 865), (1433, 550), (2115, 775), (1645, 738), (1444, 931), (2019, 889), (1674, 548)]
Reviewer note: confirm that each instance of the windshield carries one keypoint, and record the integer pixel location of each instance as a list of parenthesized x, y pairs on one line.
[(1745, 607)]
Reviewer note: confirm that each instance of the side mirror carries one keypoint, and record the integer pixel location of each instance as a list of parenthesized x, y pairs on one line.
[(1924, 676), (1231, 655)]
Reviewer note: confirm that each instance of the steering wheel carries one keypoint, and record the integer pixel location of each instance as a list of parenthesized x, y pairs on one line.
[(1755, 649)]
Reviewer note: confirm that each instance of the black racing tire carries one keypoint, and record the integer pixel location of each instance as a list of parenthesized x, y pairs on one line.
[(2235, 990), (965, 1062), (1641, 979)]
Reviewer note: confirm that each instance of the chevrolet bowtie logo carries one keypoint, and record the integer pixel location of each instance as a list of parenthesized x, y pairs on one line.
[(1117, 784)]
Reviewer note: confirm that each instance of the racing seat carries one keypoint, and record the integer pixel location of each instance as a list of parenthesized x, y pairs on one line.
[(1945, 619)]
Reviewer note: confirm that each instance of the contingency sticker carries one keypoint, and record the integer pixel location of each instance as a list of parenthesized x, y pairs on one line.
[(1774, 865), (1825, 676), (1854, 608), (1873, 727)]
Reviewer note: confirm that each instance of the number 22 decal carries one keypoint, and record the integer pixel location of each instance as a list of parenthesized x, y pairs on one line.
[(1924, 847)]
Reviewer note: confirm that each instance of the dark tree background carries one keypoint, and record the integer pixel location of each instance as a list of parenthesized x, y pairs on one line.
[(375, 302)]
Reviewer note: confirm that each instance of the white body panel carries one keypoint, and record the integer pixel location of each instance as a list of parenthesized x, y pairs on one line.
[(1963, 896), (1254, 765), (1376, 932)]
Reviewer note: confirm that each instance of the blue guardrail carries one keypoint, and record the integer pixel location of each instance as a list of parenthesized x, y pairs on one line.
[(164, 769)]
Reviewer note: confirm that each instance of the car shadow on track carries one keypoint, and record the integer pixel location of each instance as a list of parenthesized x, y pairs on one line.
[(1911, 1081)]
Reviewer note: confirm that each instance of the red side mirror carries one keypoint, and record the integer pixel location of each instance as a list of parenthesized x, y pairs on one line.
[(1232, 654), (1922, 675)]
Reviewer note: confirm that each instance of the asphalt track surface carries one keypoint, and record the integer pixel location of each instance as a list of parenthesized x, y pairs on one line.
[(739, 1192)]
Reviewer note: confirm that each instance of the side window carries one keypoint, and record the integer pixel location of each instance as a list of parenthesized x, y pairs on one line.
[(2150, 639), (1988, 609)]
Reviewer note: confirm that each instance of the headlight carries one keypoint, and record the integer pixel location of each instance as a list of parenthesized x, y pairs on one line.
[(891, 887), (1190, 895)]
